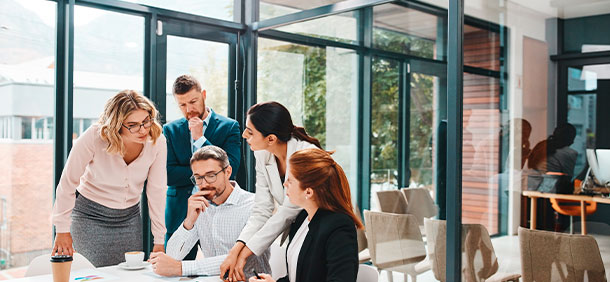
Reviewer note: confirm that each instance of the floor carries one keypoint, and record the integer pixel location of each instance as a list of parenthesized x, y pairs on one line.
[(507, 251)]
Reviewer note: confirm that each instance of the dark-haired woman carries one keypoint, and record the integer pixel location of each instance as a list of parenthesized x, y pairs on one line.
[(323, 244), (273, 138)]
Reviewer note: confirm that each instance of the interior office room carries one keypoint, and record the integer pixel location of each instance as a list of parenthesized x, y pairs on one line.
[(451, 111)]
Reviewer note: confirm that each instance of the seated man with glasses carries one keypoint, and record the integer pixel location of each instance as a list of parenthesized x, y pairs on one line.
[(215, 216)]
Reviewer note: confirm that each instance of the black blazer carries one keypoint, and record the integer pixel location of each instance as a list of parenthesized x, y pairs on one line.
[(330, 249)]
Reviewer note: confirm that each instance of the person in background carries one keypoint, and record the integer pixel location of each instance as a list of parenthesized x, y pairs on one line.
[(215, 216), (201, 126), (274, 138), (323, 244), (97, 211), (554, 154)]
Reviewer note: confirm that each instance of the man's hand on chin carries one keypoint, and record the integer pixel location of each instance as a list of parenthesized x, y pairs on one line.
[(165, 265)]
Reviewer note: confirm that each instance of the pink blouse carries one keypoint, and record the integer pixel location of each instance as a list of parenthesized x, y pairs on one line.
[(106, 179)]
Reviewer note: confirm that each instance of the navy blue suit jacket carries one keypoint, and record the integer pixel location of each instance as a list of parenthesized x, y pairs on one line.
[(222, 132)]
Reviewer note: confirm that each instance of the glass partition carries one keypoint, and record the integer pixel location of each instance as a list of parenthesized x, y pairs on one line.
[(27, 75), (314, 83), (405, 30), (384, 127), (207, 61), (108, 58), (219, 9)]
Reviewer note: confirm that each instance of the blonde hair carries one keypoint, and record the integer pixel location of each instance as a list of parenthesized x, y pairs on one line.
[(117, 110)]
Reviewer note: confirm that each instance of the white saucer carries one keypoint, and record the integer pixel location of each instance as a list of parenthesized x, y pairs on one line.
[(144, 264)]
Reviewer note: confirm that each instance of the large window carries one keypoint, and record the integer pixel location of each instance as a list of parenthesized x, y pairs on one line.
[(205, 60), (422, 141), (108, 58), (406, 30), (27, 61), (220, 9), (313, 83), (384, 126)]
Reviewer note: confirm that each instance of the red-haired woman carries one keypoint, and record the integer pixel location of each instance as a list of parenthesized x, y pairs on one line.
[(323, 245)]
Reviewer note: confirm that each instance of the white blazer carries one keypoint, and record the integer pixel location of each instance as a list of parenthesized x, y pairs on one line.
[(263, 226)]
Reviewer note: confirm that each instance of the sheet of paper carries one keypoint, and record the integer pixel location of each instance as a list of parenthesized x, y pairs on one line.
[(85, 275)]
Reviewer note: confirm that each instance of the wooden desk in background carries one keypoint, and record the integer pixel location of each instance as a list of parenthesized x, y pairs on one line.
[(533, 195)]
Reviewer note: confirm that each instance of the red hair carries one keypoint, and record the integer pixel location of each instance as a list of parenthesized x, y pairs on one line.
[(316, 169)]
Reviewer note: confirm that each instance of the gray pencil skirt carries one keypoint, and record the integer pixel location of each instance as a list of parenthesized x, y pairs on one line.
[(102, 234)]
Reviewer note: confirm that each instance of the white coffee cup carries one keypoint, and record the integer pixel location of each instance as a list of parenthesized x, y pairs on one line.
[(134, 258)]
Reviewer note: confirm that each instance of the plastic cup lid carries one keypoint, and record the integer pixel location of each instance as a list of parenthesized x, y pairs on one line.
[(61, 258)]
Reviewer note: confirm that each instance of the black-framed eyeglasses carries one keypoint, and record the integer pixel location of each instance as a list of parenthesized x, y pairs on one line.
[(136, 127), (209, 178)]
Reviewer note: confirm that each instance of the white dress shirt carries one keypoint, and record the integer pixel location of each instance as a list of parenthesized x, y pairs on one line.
[(217, 229), (294, 249)]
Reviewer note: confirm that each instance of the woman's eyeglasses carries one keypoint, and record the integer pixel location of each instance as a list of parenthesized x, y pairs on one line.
[(136, 127)]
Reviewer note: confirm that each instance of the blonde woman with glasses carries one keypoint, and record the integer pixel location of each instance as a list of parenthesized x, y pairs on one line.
[(97, 208)]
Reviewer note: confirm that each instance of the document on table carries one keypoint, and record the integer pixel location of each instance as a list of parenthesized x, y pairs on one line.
[(186, 279), (85, 275)]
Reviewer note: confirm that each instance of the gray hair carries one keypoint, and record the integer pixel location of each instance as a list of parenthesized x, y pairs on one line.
[(211, 152)]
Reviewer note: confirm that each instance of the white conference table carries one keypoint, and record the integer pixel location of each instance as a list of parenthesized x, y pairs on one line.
[(115, 273)]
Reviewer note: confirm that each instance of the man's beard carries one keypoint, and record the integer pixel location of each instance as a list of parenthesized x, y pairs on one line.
[(191, 115)]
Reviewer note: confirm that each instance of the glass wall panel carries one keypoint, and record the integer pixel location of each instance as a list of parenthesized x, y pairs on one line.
[(341, 27), (108, 58), (275, 8), (384, 127), (582, 113), (481, 48), (422, 129), (481, 151), (207, 61), (314, 83), (219, 9), (409, 31), (27, 73), (528, 119), (581, 80)]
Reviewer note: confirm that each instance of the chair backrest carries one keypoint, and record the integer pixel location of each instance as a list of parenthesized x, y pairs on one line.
[(277, 260), (392, 201), (360, 234), (422, 205), (393, 239), (367, 273), (41, 264), (572, 208), (552, 256), (479, 259)]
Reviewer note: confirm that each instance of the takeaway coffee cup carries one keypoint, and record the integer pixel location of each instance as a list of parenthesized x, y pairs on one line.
[(134, 258), (60, 265)]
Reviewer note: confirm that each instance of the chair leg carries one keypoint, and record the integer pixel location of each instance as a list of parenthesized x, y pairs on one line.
[(390, 276), (571, 225), (413, 278)]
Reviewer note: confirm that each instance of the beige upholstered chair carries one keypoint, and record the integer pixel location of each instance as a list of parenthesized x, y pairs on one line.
[(395, 243), (363, 251), (552, 256), (423, 205), (479, 262), (392, 201)]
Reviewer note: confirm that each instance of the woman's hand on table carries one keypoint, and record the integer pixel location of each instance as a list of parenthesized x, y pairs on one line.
[(63, 244), (238, 272)]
